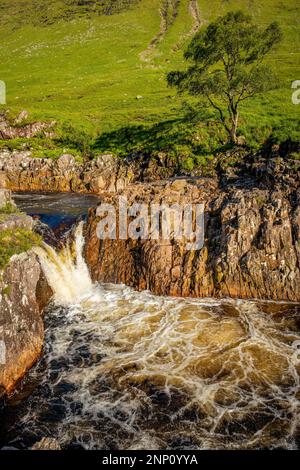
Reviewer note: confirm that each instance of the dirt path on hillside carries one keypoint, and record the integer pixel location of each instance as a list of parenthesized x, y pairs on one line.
[(168, 11), (195, 14)]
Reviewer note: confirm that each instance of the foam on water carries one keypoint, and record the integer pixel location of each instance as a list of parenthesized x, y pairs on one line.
[(130, 370), (66, 271)]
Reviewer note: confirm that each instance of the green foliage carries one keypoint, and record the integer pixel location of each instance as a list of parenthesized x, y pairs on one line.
[(289, 130), (77, 140), (9, 209), (87, 69), (14, 242), (182, 142), (227, 65)]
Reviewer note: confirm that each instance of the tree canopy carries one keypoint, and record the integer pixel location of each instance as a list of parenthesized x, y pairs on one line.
[(227, 65)]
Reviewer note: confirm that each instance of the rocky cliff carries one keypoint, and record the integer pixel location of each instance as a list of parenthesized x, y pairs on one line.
[(20, 172), (24, 293), (252, 246), (251, 222)]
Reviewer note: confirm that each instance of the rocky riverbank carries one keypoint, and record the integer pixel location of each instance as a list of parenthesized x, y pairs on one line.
[(24, 294), (20, 172), (252, 245), (252, 222)]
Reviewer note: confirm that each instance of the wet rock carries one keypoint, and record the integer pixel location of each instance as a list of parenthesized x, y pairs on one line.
[(46, 232), (47, 443)]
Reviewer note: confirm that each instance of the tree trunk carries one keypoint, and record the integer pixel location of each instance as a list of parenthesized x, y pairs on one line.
[(234, 127)]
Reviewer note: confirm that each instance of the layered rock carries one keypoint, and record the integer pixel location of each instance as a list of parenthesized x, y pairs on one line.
[(18, 128), (21, 172), (251, 249), (23, 295)]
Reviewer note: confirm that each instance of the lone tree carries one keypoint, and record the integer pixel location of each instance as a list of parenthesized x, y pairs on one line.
[(227, 66)]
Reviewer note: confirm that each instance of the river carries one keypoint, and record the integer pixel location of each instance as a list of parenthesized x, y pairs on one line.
[(129, 370)]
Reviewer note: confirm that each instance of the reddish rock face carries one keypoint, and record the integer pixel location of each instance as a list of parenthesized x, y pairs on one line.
[(20, 172), (251, 250), (23, 294)]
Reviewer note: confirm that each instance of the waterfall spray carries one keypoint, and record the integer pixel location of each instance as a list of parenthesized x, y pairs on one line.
[(66, 271)]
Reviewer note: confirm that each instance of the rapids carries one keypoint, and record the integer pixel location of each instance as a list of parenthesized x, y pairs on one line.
[(129, 370)]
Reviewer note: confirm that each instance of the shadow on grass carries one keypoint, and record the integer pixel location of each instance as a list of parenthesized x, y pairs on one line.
[(178, 143), (145, 139)]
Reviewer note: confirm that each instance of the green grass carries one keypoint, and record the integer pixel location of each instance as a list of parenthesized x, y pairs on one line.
[(17, 241), (86, 68), (9, 209), (47, 12)]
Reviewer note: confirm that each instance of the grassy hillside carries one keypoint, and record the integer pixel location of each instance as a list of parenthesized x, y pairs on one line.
[(45, 12), (102, 64)]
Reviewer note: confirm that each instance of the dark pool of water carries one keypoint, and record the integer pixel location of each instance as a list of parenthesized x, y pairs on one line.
[(55, 209)]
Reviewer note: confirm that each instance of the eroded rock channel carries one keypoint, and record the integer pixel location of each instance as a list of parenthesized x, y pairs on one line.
[(167, 372)]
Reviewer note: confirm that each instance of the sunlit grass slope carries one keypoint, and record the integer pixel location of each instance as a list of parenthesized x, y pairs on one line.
[(102, 67)]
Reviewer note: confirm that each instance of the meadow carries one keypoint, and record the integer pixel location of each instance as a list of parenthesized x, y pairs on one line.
[(103, 71)]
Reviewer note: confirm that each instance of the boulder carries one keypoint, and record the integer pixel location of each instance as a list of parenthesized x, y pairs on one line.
[(21, 322), (13, 221), (66, 162), (5, 197)]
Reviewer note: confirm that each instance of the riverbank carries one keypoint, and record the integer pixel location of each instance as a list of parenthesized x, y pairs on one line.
[(252, 221), (252, 227), (113, 357), (24, 293)]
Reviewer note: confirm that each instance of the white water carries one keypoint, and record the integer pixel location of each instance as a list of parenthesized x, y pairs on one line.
[(66, 271), (131, 370)]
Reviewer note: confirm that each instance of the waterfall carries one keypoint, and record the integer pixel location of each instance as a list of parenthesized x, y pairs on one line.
[(224, 373), (66, 271)]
